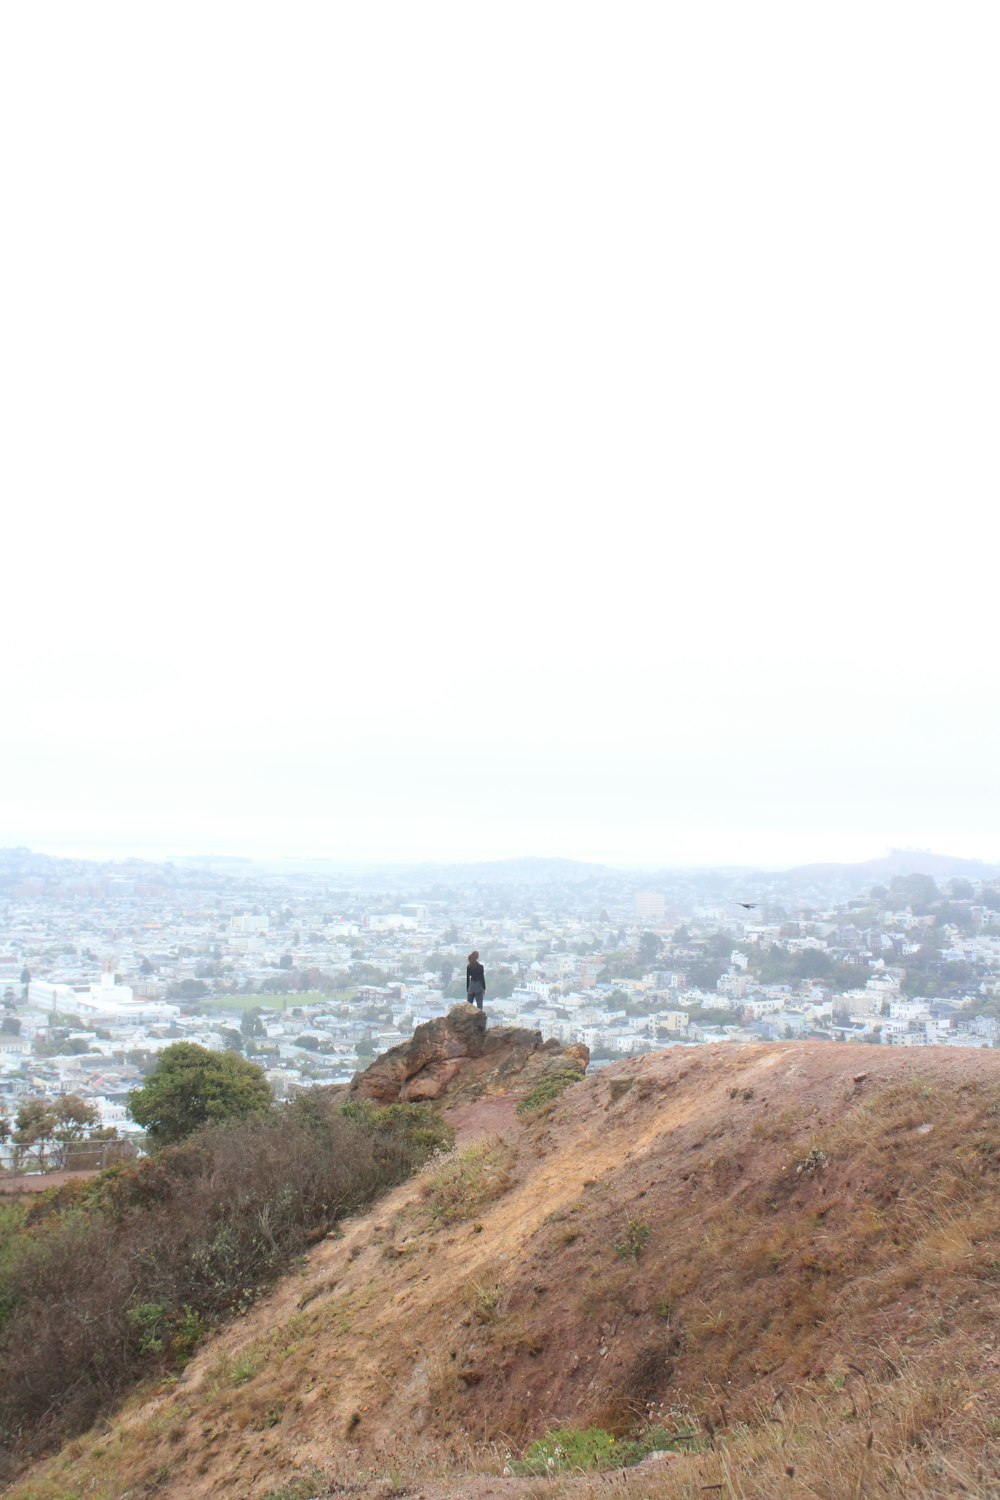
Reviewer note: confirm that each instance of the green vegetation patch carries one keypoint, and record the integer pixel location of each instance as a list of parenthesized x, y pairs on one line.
[(250, 1002), (110, 1281), (548, 1090), (774, 965), (286, 1000), (591, 1449), (303, 1487)]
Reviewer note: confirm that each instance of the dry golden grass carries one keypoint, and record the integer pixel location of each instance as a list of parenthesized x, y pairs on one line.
[(467, 1181), (820, 1266), (858, 1442)]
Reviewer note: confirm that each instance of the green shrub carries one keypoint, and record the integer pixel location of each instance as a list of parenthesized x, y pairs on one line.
[(104, 1283), (417, 1124), (190, 1329), (148, 1320), (634, 1239)]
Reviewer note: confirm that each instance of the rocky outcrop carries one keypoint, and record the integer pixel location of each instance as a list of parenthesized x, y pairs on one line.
[(458, 1056)]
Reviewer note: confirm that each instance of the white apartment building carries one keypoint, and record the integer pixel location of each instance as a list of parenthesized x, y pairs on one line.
[(107, 1001), (14, 1050), (763, 1005), (248, 923), (908, 1010)]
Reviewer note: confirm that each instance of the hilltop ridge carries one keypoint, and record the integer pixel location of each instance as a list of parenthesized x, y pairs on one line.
[(785, 1239)]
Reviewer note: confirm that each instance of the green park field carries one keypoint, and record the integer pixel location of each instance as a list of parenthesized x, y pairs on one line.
[(270, 1002)]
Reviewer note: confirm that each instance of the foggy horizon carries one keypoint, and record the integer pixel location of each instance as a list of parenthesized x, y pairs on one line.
[(165, 854), (454, 433)]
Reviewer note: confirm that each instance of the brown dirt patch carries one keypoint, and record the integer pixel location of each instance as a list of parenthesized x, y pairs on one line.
[(483, 1118)]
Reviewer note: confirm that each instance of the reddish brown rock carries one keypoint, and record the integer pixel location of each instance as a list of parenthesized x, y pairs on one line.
[(430, 1081), (458, 1055)]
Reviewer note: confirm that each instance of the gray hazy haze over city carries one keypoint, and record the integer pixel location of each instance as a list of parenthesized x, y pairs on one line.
[(442, 432)]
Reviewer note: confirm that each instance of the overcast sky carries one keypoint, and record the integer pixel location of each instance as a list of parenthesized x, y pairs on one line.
[(438, 430)]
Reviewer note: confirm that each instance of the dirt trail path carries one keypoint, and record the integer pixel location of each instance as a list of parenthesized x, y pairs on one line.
[(625, 1484), (386, 1297), (344, 1262), (17, 1187)]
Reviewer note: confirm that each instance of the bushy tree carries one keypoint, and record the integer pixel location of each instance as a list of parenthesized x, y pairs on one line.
[(40, 1122), (191, 1087), (918, 891), (649, 948), (188, 989), (958, 916), (250, 1023)]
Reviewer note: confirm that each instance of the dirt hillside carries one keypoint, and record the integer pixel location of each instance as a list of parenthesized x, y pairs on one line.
[(720, 1238)]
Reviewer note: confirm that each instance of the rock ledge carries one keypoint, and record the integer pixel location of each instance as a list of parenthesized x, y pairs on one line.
[(457, 1055)]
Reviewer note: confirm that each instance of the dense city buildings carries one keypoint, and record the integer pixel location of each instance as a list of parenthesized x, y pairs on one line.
[(312, 972)]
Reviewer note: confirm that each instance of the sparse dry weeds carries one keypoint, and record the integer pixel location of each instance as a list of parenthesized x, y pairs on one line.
[(467, 1181)]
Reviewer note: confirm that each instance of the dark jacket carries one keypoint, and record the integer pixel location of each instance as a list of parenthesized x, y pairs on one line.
[(475, 974)]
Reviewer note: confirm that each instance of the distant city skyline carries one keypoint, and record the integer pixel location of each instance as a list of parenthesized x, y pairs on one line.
[(847, 854)]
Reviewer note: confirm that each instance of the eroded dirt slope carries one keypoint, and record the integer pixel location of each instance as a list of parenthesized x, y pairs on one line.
[(695, 1231)]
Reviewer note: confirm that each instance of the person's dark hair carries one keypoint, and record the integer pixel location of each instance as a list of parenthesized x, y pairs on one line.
[(474, 956)]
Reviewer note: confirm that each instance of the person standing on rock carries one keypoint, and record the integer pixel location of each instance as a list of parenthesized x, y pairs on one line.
[(475, 980)]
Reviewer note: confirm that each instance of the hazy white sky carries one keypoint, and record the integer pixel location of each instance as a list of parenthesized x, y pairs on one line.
[(435, 429)]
